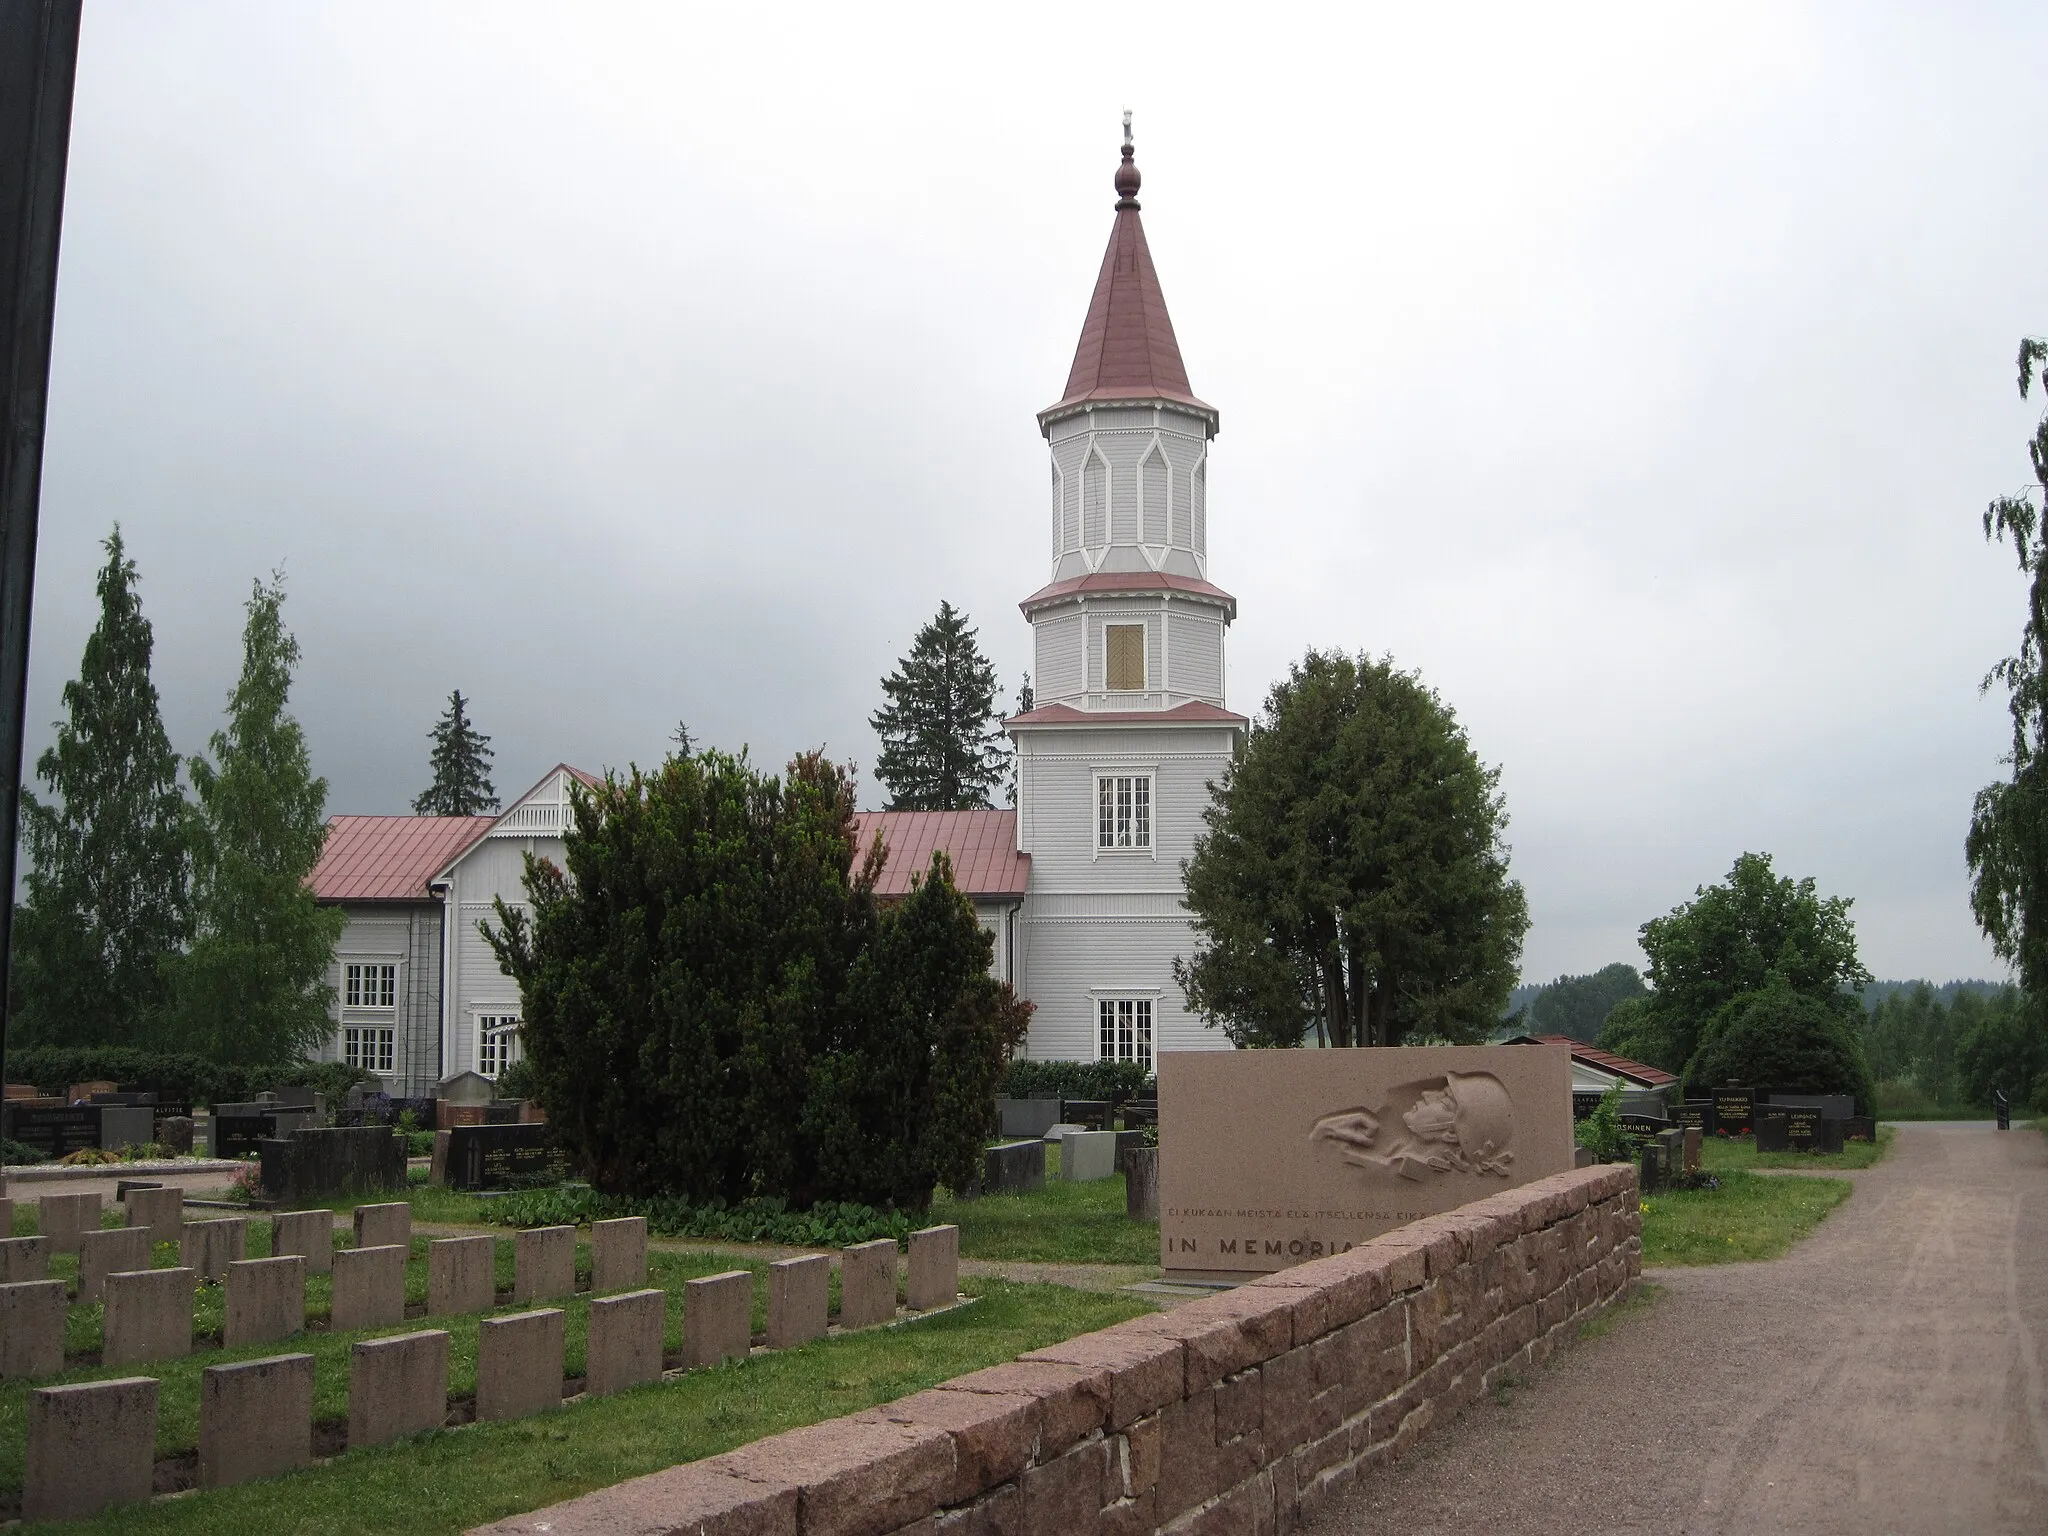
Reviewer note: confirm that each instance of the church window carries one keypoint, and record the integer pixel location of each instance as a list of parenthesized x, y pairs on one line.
[(1125, 662), (1126, 1029), (497, 1042), (369, 1047), (1123, 810), (369, 986)]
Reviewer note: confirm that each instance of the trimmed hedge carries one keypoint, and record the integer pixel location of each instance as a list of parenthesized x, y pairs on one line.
[(828, 1224), (1115, 1081), (54, 1068)]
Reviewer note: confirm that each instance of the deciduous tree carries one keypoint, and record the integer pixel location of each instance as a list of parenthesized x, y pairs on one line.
[(253, 986), (108, 883), (1353, 879), (941, 748)]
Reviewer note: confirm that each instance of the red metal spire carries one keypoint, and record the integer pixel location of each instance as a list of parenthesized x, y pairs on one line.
[(1127, 349)]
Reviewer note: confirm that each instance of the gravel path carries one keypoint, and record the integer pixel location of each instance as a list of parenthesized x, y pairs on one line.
[(1885, 1377)]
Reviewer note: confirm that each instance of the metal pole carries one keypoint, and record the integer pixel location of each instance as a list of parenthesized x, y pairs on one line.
[(38, 65)]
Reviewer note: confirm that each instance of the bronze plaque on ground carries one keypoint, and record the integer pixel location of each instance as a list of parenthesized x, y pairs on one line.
[(1271, 1158)]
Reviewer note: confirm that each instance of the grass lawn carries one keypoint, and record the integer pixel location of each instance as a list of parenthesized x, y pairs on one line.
[(1751, 1216), (1061, 1224), (453, 1479), (1738, 1154)]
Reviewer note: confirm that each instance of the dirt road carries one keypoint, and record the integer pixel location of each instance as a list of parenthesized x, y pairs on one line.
[(1889, 1376)]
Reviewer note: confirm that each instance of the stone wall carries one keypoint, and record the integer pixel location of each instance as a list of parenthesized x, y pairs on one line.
[(1242, 1412)]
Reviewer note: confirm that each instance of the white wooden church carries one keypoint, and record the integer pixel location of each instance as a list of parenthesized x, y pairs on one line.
[(1080, 885)]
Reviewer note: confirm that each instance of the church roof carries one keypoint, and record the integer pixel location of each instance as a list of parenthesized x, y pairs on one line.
[(390, 858), (1129, 581), (1603, 1061), (1127, 349), (1192, 713), (981, 844)]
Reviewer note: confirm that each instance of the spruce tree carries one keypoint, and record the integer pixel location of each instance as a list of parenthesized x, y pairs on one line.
[(461, 761), (941, 750), (108, 886), (253, 987), (1026, 702)]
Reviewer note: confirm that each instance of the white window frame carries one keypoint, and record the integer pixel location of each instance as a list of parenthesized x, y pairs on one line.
[(496, 1039), (1127, 1027), (1125, 811), (371, 1047), (369, 986)]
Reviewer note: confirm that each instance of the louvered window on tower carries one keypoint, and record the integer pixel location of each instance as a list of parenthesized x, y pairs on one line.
[(1125, 644)]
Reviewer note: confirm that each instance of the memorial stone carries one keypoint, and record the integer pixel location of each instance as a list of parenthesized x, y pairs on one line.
[(1833, 1132), (31, 1329), (55, 1131), (1090, 1114), (211, 1246), (175, 1133), (63, 1218), (798, 1300), (1141, 1184), (266, 1300), (330, 1163), (461, 1276), (1861, 1128), (148, 1316), (934, 1268), (369, 1288), (160, 1210), (91, 1447), (1087, 1155), (519, 1364), (1802, 1127), (867, 1284), (1026, 1117), (1734, 1111), (126, 1125), (1014, 1168), (718, 1317), (1694, 1137), (23, 1259), (397, 1386), (618, 1254), (1772, 1129), (309, 1234), (384, 1226), (1697, 1114), (624, 1347), (255, 1419), (503, 1156), (543, 1263), (241, 1136), (102, 1253)]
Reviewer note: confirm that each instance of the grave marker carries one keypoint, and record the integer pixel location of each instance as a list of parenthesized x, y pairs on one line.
[(624, 1347), (384, 1226), (543, 1263), (148, 1316), (1087, 1155), (369, 1288), (160, 1210), (934, 1268), (500, 1156), (23, 1259), (718, 1313), (255, 1419), (211, 1246), (460, 1275), (1772, 1129), (397, 1386), (519, 1364), (1734, 1111), (1014, 1168), (31, 1329), (867, 1284), (266, 1300), (310, 1234), (103, 1253), (91, 1447), (618, 1254), (798, 1300), (63, 1218)]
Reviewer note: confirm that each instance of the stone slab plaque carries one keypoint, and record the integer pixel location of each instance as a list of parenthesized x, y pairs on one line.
[(1802, 1127), (1271, 1158), (1697, 1115)]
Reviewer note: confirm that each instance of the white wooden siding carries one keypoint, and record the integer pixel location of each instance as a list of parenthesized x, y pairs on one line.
[(407, 935), (1058, 673), (1196, 650)]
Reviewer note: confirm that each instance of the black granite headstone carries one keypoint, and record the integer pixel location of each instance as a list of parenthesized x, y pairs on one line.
[(54, 1132), (1015, 1168), (1583, 1105), (1698, 1114), (1644, 1125), (502, 1156), (1772, 1129), (1832, 1133), (242, 1135), (1734, 1111), (1092, 1113), (1860, 1128), (1802, 1127), (312, 1165)]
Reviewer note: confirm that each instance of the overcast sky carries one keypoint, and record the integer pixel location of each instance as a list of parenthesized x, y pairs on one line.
[(1639, 377)]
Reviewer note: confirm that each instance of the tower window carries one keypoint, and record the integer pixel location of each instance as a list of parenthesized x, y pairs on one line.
[(1126, 657), (1123, 810)]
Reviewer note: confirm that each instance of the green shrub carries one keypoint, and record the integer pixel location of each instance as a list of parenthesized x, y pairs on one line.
[(1115, 1081), (14, 1153), (827, 1224), (1902, 1096), (718, 1007), (1601, 1132), (1780, 1039), (195, 1079)]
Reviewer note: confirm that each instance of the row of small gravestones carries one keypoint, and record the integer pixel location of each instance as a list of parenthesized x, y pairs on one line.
[(92, 1446), (1780, 1123)]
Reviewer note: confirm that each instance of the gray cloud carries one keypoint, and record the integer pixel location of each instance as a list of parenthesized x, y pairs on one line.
[(1636, 377)]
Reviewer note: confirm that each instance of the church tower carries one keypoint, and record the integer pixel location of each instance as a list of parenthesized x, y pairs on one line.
[(1129, 727)]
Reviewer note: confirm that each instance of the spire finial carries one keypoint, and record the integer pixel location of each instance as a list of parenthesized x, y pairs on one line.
[(1127, 179)]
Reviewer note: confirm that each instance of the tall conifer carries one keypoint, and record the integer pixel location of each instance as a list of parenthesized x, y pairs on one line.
[(461, 761), (108, 886), (941, 750), (253, 987)]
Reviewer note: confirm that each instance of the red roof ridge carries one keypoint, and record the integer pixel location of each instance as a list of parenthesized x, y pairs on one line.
[(390, 858), (1641, 1071), (982, 846), (1130, 581), (1194, 712)]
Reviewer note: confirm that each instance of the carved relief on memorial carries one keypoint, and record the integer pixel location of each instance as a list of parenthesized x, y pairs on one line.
[(1461, 1122)]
